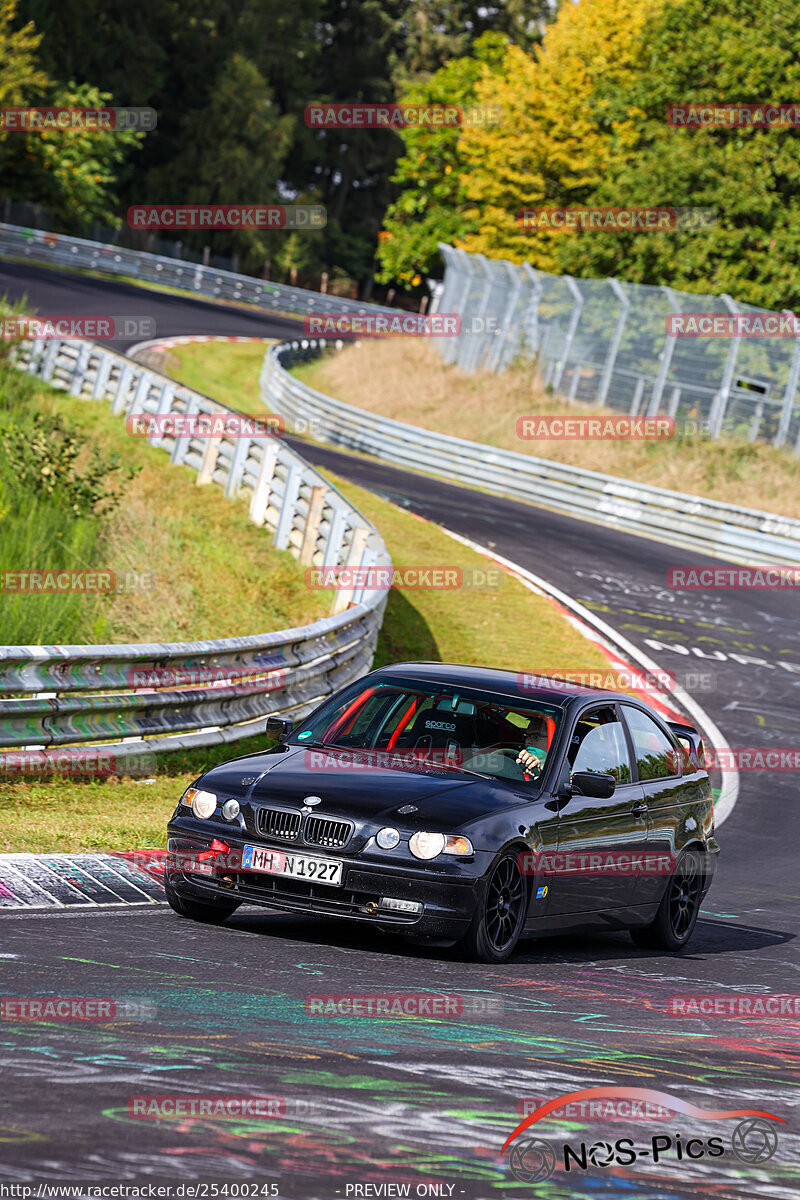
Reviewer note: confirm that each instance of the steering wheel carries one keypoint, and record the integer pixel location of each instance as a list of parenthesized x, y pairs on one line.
[(510, 753)]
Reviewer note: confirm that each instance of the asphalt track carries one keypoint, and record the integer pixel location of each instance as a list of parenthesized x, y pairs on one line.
[(430, 1101)]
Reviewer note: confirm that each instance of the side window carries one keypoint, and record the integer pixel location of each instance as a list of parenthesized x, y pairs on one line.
[(656, 757), (598, 745)]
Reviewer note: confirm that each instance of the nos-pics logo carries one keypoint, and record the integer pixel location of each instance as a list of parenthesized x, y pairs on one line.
[(534, 1159)]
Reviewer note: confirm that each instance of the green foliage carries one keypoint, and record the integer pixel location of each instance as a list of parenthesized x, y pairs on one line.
[(706, 51), (48, 460), (39, 530), (72, 172), (431, 205), (20, 76)]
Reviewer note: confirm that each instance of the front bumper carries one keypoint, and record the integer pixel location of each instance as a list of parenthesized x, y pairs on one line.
[(448, 900)]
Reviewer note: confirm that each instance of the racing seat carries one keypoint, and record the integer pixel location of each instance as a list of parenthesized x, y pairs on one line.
[(443, 728)]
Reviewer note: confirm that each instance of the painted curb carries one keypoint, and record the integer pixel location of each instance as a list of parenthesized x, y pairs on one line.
[(86, 880)]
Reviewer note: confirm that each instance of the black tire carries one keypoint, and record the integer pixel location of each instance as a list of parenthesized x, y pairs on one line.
[(499, 917), (196, 910), (676, 918)]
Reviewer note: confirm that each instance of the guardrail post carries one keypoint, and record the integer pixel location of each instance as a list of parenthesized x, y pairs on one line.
[(240, 452), (208, 465), (575, 317), (266, 472), (294, 477), (140, 393), (79, 370), (182, 443), (120, 401), (719, 404), (101, 378), (316, 506), (666, 360), (49, 360), (616, 338), (789, 394), (336, 530), (36, 353), (165, 401), (343, 597)]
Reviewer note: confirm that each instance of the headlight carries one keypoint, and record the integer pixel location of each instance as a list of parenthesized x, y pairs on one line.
[(429, 845), (426, 845), (201, 803), (387, 838), (230, 810)]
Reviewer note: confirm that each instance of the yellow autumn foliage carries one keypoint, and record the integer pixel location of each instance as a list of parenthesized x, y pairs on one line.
[(555, 141)]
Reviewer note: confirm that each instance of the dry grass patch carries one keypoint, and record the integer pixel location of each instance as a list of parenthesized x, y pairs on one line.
[(406, 379)]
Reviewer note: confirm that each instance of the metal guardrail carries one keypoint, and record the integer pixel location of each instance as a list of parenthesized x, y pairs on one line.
[(65, 695), (739, 534), (61, 250), (605, 341)]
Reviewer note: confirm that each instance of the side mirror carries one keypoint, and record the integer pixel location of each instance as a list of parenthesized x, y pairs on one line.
[(279, 727), (597, 786)]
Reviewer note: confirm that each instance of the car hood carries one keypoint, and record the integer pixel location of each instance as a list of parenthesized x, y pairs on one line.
[(359, 785)]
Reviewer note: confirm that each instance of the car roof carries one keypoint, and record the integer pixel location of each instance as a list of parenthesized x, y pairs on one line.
[(516, 684)]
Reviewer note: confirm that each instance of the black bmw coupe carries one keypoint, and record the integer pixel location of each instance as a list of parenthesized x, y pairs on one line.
[(458, 805)]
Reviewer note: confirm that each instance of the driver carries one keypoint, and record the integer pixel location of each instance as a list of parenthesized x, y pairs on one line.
[(534, 751)]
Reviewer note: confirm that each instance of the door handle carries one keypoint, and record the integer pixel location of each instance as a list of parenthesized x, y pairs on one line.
[(639, 809)]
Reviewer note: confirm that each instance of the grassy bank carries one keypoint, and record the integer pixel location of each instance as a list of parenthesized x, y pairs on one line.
[(86, 496), (228, 371)]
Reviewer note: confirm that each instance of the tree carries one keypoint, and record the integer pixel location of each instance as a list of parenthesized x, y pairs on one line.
[(706, 52), (430, 206), (554, 146), (71, 172), (232, 151), (20, 74)]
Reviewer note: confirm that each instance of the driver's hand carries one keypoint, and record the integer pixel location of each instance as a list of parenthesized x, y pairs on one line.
[(530, 762)]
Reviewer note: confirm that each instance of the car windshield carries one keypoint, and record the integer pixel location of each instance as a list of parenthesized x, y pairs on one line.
[(437, 726)]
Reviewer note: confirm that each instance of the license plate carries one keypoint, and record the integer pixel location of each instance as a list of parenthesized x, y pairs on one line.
[(297, 866)]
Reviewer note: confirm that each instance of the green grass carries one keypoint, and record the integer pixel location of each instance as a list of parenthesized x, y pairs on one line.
[(228, 371), (205, 571)]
